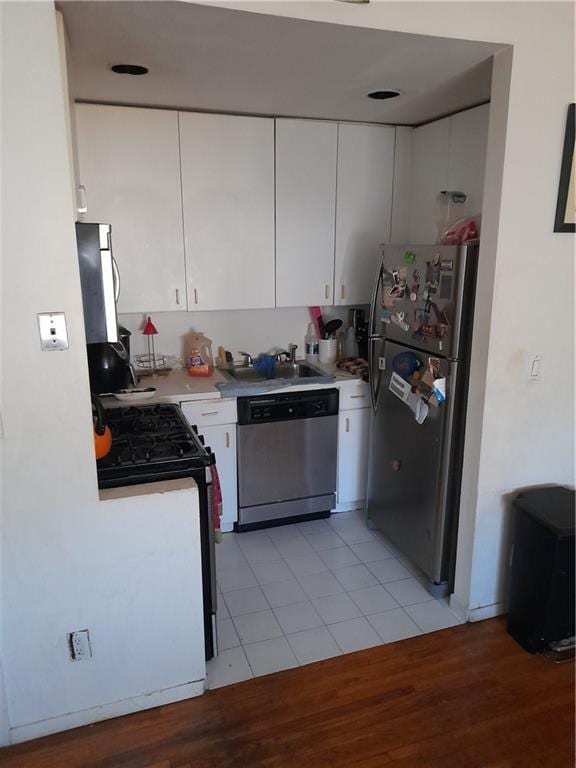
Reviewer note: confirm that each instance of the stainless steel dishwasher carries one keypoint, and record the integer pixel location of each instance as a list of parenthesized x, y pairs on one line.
[(287, 455)]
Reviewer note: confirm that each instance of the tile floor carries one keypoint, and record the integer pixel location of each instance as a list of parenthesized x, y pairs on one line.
[(300, 593)]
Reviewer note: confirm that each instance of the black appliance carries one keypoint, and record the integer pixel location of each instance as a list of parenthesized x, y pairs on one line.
[(109, 366), (151, 443), (99, 280), (360, 324), (541, 590)]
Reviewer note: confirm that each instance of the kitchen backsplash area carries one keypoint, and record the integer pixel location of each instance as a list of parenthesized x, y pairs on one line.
[(250, 330)]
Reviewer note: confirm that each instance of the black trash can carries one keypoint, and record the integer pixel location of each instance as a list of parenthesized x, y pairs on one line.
[(541, 593)]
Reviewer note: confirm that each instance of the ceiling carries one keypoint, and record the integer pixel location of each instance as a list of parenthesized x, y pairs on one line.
[(221, 60)]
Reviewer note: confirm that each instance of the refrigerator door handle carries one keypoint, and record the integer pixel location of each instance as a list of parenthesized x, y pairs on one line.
[(374, 339)]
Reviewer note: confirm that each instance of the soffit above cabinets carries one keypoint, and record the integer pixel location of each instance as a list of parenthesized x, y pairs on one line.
[(215, 59)]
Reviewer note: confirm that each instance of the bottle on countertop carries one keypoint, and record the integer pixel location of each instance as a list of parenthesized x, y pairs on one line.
[(311, 344), (200, 362), (351, 345)]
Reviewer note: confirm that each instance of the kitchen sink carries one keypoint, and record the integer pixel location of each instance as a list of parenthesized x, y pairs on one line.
[(281, 371)]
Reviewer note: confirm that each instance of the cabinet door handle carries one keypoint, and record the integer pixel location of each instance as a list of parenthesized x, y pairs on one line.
[(211, 413), (177, 296), (82, 199), (195, 295), (342, 291), (326, 291), (227, 439), (357, 397), (347, 424)]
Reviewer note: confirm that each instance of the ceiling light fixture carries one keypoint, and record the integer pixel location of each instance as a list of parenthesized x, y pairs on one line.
[(129, 69), (381, 95)]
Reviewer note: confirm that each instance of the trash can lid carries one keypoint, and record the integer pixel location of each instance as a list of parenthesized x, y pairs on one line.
[(552, 505)]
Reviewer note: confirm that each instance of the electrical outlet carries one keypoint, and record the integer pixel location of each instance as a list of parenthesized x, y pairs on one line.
[(79, 645)]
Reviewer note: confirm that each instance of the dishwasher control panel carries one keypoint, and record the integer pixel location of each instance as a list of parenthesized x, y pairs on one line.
[(285, 407)]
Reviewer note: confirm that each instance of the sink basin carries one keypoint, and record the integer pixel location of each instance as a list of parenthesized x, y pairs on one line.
[(281, 371)]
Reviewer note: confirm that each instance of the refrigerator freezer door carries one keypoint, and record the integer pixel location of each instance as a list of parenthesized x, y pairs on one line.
[(406, 495), (426, 297)]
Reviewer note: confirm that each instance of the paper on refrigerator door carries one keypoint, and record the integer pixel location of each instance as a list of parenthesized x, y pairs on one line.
[(402, 389)]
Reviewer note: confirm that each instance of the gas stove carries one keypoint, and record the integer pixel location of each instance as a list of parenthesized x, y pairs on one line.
[(150, 443)]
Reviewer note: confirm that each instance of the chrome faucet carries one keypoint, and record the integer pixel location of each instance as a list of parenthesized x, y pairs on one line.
[(248, 359), (290, 356), (293, 348)]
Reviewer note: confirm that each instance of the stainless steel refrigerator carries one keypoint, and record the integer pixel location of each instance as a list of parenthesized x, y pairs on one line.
[(419, 351)]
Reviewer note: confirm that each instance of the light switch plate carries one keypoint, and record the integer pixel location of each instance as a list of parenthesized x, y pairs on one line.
[(53, 333), (534, 367)]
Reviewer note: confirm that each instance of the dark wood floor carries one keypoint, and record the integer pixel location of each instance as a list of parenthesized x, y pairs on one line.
[(466, 697)]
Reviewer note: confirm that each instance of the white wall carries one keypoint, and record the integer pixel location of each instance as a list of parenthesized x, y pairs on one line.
[(523, 433), (69, 561)]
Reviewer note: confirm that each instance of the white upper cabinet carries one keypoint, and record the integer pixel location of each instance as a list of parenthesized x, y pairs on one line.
[(305, 210), (467, 156), (129, 163), (363, 207), (228, 202), (430, 150)]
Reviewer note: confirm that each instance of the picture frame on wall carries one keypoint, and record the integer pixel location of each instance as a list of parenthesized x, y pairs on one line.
[(566, 206)]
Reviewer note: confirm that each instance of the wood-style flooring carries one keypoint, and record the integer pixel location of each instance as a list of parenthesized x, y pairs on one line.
[(466, 697)]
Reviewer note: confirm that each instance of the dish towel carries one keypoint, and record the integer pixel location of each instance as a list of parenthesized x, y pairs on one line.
[(216, 503)]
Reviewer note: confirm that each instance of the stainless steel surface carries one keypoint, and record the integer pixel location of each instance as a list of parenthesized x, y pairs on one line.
[(281, 371), (248, 359), (116, 275), (293, 348), (405, 472), (373, 337), (285, 461), (284, 509), (97, 282)]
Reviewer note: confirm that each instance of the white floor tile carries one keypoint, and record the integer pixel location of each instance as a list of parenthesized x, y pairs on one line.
[(235, 578), (408, 591), (326, 540), (254, 627), (294, 548), (371, 551), (228, 667), (284, 593), (221, 607), (248, 600), (355, 577), (266, 573), (389, 545), (432, 616), (373, 600), (389, 570), (354, 635), (355, 534), (321, 584), (284, 533), (313, 645), (307, 565), (394, 625), (409, 565), (261, 552), (340, 557), (251, 538), (229, 558), (227, 635), (314, 526), (336, 608), (270, 656), (298, 616)]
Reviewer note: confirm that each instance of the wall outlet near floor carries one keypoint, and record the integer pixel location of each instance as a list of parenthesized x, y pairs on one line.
[(79, 645)]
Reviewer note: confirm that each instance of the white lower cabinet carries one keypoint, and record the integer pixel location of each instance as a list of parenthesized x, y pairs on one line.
[(353, 440), (216, 422), (222, 441)]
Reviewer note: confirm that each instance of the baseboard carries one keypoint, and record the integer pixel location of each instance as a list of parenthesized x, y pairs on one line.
[(106, 711), (456, 607), (349, 506), (487, 611)]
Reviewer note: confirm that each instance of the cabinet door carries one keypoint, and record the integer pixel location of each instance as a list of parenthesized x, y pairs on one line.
[(353, 437), (430, 148), (363, 208), (222, 441), (228, 201), (467, 156), (129, 163), (305, 208)]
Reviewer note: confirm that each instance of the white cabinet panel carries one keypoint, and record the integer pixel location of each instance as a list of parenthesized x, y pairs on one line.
[(305, 209), (363, 208), (430, 151), (467, 158), (228, 202), (353, 438), (129, 163), (400, 227), (222, 441), (210, 412)]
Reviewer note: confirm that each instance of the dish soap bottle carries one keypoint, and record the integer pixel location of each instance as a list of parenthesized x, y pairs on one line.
[(311, 344), (200, 362)]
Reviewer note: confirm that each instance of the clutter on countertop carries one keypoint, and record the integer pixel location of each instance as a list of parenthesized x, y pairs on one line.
[(151, 361), (356, 366), (311, 343), (199, 362)]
